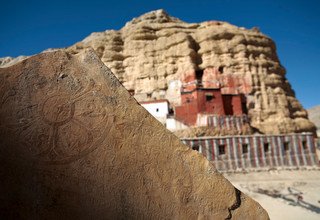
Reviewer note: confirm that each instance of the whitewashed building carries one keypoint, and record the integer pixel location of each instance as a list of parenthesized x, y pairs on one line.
[(158, 109)]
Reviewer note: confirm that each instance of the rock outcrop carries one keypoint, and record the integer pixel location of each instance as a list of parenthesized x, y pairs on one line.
[(151, 53), (9, 61), (75, 145), (314, 116)]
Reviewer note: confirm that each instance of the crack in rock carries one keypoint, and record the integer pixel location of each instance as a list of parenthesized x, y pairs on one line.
[(236, 204)]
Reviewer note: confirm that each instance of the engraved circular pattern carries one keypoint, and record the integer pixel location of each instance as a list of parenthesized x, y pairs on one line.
[(78, 125), (55, 114), (61, 127)]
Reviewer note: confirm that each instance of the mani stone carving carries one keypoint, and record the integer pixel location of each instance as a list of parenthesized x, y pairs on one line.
[(75, 145)]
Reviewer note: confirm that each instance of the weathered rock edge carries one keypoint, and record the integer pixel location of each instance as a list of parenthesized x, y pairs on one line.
[(75, 144)]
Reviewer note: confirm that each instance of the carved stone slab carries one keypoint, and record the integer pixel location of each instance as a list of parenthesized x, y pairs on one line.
[(75, 144)]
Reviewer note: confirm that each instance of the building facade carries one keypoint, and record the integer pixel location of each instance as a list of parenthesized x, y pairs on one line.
[(202, 94), (158, 109), (257, 152)]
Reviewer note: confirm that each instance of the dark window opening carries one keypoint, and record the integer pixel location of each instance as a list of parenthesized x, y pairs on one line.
[(227, 104), (157, 110), (209, 97), (199, 75), (222, 149), (195, 148), (286, 145), (220, 69), (244, 148), (266, 147), (244, 105), (304, 145), (148, 95)]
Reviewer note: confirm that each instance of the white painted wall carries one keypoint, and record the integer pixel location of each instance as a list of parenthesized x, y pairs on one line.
[(159, 110), (174, 125)]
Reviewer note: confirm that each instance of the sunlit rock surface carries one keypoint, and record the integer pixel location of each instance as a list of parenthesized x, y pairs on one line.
[(151, 52)]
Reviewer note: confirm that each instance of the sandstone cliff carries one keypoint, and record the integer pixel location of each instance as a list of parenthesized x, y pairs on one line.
[(75, 145), (314, 116), (152, 53), (9, 61)]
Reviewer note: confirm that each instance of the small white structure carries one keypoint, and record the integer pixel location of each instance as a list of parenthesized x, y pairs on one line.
[(174, 125), (158, 109)]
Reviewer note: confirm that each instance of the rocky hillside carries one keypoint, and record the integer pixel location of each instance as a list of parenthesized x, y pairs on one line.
[(152, 53), (314, 116)]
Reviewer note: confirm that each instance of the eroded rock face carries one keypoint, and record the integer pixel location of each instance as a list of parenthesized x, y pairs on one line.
[(75, 144), (151, 53), (9, 61), (154, 50)]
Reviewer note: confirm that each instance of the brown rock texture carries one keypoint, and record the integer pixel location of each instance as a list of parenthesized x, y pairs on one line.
[(75, 145), (9, 61)]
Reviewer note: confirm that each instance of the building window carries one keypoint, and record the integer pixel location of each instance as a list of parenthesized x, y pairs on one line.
[(286, 145), (199, 75), (209, 97), (148, 95), (266, 147), (196, 147), (244, 107), (220, 69), (157, 110), (304, 145), (222, 149), (244, 148)]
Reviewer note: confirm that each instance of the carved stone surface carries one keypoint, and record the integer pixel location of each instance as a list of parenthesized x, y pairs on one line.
[(75, 145)]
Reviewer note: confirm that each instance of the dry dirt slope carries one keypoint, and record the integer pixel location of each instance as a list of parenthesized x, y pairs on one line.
[(277, 191)]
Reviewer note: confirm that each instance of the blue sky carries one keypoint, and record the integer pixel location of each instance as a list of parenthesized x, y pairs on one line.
[(29, 27)]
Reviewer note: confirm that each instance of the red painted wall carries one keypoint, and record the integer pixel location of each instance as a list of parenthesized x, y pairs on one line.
[(233, 104), (213, 106), (199, 86), (187, 113), (229, 83), (196, 102), (227, 102), (236, 105)]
